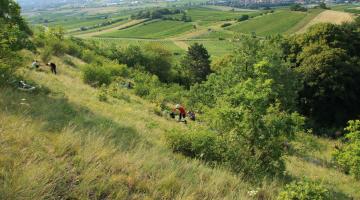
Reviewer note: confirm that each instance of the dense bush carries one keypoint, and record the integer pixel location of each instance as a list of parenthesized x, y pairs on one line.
[(96, 75), (14, 34), (327, 58), (304, 190), (243, 18), (348, 156), (226, 25), (297, 7), (200, 144), (255, 126), (152, 58)]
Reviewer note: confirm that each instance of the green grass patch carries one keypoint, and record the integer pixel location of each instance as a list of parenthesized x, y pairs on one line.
[(216, 47), (216, 35), (207, 14), (301, 24)]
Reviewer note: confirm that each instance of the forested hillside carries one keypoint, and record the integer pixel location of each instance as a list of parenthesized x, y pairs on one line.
[(276, 118)]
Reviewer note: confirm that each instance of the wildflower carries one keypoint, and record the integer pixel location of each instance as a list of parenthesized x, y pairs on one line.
[(252, 193)]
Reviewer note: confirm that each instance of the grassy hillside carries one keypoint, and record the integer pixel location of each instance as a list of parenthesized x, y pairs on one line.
[(65, 143), (270, 24), (152, 29), (311, 14), (62, 141)]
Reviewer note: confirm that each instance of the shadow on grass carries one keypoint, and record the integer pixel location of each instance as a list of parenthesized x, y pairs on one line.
[(55, 113)]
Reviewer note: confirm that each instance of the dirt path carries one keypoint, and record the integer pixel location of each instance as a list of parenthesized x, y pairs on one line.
[(329, 16), (181, 44), (130, 23)]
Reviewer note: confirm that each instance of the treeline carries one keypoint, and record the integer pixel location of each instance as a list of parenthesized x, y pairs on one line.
[(106, 23), (327, 58), (162, 13)]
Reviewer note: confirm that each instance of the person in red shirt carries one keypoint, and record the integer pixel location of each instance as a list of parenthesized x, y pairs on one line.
[(182, 112)]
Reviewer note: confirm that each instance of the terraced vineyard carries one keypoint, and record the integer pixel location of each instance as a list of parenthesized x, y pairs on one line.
[(153, 29), (269, 24)]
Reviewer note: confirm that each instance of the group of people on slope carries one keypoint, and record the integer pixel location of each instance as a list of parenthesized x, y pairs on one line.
[(182, 113), (36, 65)]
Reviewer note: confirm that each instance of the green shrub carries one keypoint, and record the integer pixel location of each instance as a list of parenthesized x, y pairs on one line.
[(117, 70), (243, 18), (348, 156), (103, 94), (88, 56), (74, 49), (96, 75), (142, 90), (200, 144), (225, 25), (46, 54), (304, 190)]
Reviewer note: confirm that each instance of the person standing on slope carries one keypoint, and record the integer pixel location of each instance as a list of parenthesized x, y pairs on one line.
[(53, 67), (182, 112)]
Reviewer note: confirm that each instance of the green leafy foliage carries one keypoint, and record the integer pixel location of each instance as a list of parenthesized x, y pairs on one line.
[(250, 104), (348, 156), (14, 34), (304, 190), (96, 75), (152, 58), (243, 18), (326, 57), (196, 64), (200, 144), (297, 7), (255, 127)]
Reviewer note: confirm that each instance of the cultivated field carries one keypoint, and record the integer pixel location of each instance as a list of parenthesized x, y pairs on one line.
[(152, 29), (329, 16), (269, 24)]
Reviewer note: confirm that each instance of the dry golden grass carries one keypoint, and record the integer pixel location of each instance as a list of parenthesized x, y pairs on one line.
[(329, 16)]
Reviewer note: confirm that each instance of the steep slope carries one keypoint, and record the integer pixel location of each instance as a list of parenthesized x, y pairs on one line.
[(62, 142)]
